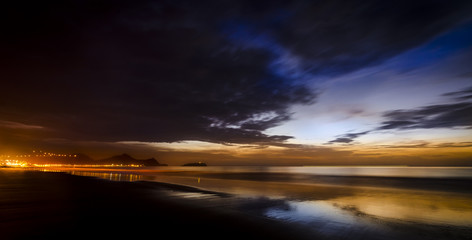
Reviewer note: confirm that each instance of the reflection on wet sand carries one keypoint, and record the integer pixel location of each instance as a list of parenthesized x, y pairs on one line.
[(129, 177), (431, 207), (328, 219), (334, 206), (332, 218), (413, 206)]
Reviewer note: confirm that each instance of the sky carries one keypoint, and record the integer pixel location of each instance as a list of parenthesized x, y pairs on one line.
[(240, 82)]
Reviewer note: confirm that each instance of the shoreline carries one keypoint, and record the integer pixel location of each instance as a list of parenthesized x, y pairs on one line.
[(35, 204), (49, 204), (443, 184)]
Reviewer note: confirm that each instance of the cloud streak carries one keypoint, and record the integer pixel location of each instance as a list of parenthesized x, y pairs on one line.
[(348, 138), (449, 115), (462, 95), (17, 125), (433, 116)]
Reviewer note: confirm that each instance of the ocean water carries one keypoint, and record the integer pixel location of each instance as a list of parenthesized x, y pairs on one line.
[(338, 202), (373, 171)]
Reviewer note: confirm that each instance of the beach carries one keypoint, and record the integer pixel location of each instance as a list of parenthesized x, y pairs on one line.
[(201, 204), (40, 205)]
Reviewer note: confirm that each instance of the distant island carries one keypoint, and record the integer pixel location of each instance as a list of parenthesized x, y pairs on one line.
[(195, 164)]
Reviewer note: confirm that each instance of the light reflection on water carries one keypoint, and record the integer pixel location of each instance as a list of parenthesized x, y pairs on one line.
[(429, 207), (112, 176), (413, 206), (372, 171), (328, 219), (357, 217), (335, 207)]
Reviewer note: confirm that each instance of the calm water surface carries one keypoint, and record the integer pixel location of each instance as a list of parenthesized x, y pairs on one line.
[(336, 201)]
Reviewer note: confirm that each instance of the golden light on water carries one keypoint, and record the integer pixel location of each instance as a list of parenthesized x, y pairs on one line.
[(430, 207), (128, 177), (332, 203)]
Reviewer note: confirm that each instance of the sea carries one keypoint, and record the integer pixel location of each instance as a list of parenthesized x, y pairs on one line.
[(342, 202)]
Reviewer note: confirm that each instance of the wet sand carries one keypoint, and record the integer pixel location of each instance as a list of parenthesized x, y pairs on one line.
[(40, 205)]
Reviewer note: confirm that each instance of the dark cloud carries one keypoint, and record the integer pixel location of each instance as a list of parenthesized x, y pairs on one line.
[(151, 71), (338, 36), (348, 138), (433, 116), (461, 95), (342, 140), (174, 70), (450, 115)]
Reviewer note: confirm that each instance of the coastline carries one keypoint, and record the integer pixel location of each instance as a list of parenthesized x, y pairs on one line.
[(36, 204), (51, 204), (429, 183)]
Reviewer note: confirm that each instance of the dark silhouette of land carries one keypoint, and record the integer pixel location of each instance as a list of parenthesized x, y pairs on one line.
[(125, 159), (83, 159), (195, 164)]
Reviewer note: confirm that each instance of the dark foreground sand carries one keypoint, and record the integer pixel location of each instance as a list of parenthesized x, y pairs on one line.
[(45, 205)]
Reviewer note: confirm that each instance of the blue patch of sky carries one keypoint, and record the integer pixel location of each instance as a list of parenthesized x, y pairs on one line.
[(407, 81), (437, 49), (418, 65), (245, 35)]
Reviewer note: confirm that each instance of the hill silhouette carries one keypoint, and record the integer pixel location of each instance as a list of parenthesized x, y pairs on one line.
[(195, 164), (126, 159), (83, 159)]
